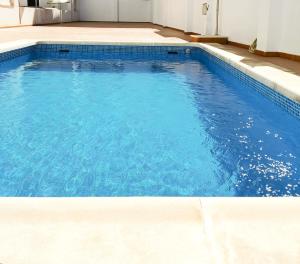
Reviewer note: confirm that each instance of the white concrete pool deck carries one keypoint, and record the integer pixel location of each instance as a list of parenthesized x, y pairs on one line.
[(149, 230)]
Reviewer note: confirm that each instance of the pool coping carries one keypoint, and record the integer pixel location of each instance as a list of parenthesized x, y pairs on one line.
[(150, 230), (283, 82)]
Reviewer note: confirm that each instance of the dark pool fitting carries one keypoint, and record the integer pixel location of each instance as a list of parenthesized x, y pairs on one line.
[(33, 2)]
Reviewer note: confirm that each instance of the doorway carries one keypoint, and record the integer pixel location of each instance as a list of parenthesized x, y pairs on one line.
[(116, 10)]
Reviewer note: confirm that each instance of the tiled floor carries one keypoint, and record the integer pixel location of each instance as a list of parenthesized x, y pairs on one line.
[(144, 230)]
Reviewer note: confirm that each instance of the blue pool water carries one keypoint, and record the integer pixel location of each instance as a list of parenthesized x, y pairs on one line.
[(140, 126)]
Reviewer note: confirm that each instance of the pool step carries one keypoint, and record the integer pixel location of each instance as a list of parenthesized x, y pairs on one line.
[(209, 39)]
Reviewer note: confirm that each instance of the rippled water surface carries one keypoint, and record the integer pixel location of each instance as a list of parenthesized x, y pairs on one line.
[(140, 127)]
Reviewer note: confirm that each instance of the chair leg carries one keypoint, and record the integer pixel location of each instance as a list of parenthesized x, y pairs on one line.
[(61, 14), (20, 20)]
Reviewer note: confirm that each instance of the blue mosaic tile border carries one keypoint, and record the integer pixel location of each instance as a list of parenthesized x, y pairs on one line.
[(284, 102), (9, 55), (119, 49), (112, 51)]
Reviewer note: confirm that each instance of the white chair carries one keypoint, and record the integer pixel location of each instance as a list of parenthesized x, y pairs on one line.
[(60, 4)]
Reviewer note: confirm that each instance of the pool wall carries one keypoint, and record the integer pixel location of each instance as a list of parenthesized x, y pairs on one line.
[(284, 98)]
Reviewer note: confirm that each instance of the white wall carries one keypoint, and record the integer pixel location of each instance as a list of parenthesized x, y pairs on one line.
[(135, 10), (107, 10), (98, 10), (171, 13), (9, 13), (185, 15), (159, 12), (279, 26), (275, 23), (176, 14), (238, 20), (196, 21), (290, 27)]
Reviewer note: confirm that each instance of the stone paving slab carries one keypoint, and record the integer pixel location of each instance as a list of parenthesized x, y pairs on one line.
[(149, 230)]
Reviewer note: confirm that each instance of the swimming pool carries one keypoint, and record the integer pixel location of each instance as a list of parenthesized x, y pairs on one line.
[(141, 121)]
